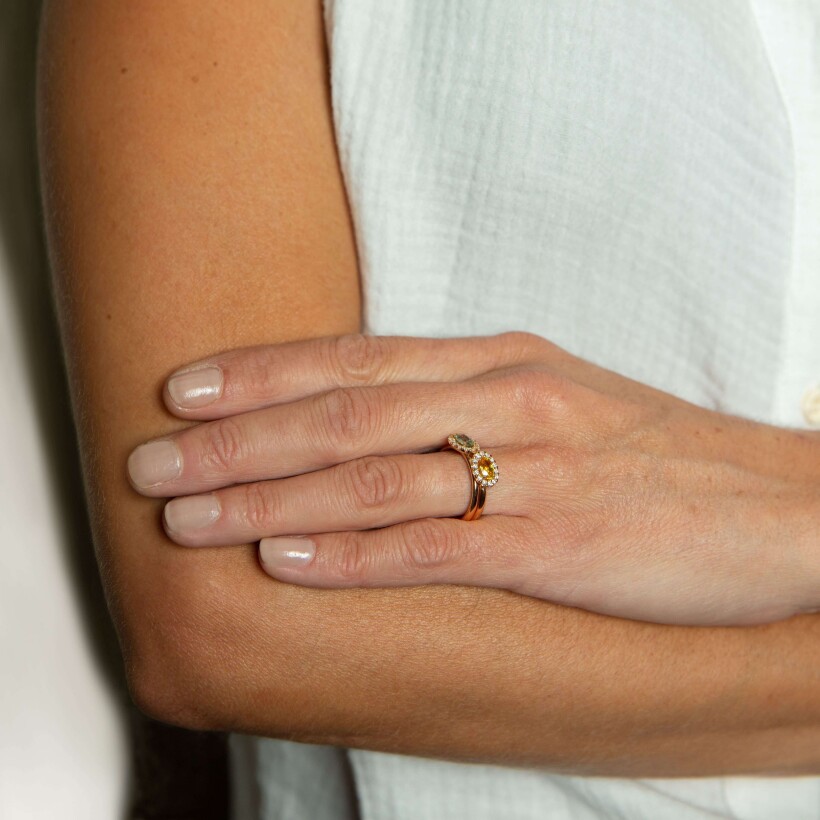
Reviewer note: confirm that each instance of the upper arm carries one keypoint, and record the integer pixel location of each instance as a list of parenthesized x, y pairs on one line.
[(194, 203)]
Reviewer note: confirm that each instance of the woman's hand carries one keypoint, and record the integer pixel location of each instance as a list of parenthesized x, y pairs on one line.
[(612, 496)]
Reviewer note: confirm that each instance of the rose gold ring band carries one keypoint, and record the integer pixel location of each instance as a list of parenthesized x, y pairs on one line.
[(483, 471)]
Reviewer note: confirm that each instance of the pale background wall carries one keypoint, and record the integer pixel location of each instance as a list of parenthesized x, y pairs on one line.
[(63, 734)]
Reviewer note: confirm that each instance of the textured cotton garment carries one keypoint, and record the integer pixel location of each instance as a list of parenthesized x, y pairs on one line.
[(638, 181)]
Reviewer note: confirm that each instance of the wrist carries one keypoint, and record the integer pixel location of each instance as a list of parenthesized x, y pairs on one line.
[(807, 520), (787, 515), (812, 551)]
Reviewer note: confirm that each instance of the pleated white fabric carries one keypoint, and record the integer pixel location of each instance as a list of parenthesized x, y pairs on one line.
[(620, 178)]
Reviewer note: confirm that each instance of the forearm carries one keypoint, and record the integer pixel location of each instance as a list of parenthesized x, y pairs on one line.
[(480, 675), (180, 226)]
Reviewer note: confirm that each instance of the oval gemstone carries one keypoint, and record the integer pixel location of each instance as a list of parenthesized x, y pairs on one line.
[(485, 467), (464, 441)]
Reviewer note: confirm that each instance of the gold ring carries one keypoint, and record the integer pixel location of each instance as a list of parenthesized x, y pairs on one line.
[(483, 471)]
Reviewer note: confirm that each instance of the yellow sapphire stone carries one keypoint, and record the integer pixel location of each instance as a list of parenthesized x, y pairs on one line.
[(486, 468)]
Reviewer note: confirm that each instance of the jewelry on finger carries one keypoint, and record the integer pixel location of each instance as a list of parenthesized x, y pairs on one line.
[(483, 471)]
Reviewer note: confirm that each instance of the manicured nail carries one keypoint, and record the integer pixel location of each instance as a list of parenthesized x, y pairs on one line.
[(193, 512), (286, 553), (196, 388), (154, 463)]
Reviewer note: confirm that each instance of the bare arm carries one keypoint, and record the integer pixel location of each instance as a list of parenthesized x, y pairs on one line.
[(194, 204)]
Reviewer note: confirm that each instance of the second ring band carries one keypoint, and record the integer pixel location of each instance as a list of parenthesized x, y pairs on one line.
[(483, 472)]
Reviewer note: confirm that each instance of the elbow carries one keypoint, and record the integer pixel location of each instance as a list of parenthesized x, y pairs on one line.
[(181, 663), (198, 655), (166, 697), (166, 677)]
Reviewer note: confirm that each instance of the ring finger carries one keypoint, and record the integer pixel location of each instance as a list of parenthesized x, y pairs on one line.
[(368, 492)]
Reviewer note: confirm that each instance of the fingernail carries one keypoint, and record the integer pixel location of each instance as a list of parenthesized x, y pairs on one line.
[(286, 553), (196, 388), (194, 512), (154, 463)]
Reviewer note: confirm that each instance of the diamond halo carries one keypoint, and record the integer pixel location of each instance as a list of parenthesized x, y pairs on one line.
[(484, 468)]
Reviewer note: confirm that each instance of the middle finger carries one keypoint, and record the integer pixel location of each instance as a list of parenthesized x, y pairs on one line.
[(322, 430)]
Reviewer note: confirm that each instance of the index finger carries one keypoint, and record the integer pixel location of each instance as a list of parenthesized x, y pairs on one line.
[(251, 378)]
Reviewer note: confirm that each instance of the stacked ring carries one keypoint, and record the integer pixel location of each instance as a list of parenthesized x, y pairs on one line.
[(483, 471)]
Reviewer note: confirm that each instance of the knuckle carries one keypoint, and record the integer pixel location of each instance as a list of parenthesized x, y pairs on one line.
[(374, 482), (560, 465), (538, 392), (523, 346), (225, 446), (357, 357), (347, 417), (261, 371), (351, 558), (532, 343), (260, 507), (518, 340), (426, 545)]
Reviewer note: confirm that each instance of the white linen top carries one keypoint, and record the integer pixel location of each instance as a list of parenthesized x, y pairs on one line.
[(639, 182)]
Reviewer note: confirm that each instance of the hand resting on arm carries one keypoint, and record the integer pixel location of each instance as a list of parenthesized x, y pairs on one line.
[(616, 497)]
